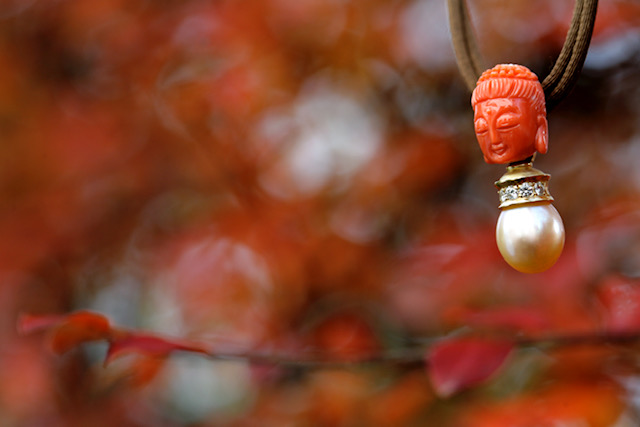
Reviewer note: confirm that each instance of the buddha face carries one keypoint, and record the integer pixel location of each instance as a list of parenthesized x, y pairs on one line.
[(508, 130)]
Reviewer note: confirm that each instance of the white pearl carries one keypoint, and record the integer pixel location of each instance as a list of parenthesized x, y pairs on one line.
[(530, 237)]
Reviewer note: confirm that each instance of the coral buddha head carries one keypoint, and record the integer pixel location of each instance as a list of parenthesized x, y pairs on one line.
[(509, 114)]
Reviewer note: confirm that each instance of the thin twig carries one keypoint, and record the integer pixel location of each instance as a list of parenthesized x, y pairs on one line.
[(415, 355)]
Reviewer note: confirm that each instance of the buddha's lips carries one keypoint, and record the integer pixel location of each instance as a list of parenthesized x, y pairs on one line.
[(498, 148)]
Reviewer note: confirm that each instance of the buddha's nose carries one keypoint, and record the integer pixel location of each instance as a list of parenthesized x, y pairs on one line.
[(494, 135)]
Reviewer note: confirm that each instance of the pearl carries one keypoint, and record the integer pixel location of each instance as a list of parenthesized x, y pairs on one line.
[(530, 237)]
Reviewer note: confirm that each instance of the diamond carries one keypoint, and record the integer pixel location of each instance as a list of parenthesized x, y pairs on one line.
[(540, 189), (526, 190), (503, 195), (510, 193)]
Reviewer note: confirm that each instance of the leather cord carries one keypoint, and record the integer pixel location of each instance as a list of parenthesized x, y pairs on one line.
[(565, 71)]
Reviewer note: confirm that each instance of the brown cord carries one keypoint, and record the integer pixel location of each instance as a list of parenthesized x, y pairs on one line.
[(563, 74)]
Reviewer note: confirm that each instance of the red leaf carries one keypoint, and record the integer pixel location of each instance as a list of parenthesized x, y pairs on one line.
[(143, 370), (457, 364), (77, 328), (28, 323), (149, 345), (346, 336), (621, 302), (67, 331)]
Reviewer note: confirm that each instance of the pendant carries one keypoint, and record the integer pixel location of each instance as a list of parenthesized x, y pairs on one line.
[(511, 126), (529, 233)]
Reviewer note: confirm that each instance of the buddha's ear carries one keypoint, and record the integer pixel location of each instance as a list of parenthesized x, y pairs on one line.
[(542, 135)]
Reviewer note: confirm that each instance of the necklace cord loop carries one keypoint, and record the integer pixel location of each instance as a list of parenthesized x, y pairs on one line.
[(565, 71)]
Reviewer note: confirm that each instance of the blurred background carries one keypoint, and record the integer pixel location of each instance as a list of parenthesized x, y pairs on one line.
[(303, 175)]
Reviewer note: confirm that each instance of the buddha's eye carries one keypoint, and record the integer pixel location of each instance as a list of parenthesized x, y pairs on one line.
[(481, 126), (507, 121)]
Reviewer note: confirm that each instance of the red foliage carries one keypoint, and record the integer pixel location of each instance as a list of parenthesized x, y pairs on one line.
[(68, 331), (142, 371), (148, 345), (28, 323), (460, 363), (345, 337), (596, 404), (620, 299), (65, 332)]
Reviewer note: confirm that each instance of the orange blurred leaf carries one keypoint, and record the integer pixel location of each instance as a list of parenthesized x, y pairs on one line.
[(149, 345), (585, 402), (620, 299), (346, 336), (28, 323), (143, 370), (78, 328), (67, 331), (457, 364)]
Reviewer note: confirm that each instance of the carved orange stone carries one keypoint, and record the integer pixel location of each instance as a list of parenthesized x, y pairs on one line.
[(510, 116)]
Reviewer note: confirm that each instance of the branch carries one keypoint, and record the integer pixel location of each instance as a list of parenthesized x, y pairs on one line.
[(71, 330)]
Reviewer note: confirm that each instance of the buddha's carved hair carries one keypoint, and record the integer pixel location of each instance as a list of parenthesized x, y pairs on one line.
[(510, 81)]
